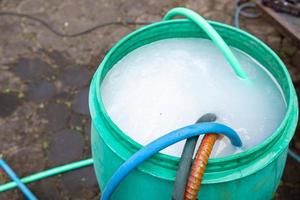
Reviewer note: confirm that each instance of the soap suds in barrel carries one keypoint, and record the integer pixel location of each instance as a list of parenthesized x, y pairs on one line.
[(170, 83)]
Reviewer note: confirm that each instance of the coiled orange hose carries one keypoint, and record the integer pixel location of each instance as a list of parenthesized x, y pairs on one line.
[(199, 165)]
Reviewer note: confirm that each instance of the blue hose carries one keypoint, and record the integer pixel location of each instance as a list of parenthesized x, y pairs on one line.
[(295, 156), (239, 10), (16, 179), (243, 10), (163, 142)]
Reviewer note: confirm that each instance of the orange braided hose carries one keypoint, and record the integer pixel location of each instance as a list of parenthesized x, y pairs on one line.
[(199, 165)]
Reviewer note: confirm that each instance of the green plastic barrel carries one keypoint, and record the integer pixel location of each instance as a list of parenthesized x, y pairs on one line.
[(252, 174)]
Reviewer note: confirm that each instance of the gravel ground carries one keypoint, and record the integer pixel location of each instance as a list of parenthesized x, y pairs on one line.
[(44, 79)]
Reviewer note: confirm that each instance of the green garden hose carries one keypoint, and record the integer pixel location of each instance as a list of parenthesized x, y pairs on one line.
[(213, 35), (47, 173)]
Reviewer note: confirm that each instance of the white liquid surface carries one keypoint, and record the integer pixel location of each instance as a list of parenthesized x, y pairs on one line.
[(170, 83)]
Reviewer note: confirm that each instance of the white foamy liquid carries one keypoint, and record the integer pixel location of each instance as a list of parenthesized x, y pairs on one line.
[(170, 83)]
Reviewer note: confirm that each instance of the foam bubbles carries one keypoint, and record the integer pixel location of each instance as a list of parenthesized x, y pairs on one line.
[(170, 83)]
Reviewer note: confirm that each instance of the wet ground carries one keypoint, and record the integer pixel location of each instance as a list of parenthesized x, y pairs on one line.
[(44, 79)]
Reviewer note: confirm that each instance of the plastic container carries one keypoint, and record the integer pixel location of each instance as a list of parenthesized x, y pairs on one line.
[(253, 174)]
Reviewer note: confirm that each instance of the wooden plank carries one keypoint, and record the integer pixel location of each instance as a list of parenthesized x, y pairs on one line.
[(286, 24)]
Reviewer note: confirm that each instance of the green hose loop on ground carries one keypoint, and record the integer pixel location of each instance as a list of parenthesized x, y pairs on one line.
[(47, 173), (213, 35)]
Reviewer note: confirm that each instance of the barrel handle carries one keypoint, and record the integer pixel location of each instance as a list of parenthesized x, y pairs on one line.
[(212, 34)]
